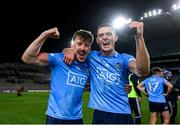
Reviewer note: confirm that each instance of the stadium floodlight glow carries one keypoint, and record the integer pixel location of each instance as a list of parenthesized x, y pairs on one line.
[(159, 11), (176, 6), (145, 15), (152, 13), (120, 22)]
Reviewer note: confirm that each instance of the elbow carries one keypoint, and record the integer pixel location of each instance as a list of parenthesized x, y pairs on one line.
[(25, 59), (143, 72)]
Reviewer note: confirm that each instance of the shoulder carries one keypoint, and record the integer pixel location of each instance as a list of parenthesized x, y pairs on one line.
[(126, 55), (55, 56), (93, 53)]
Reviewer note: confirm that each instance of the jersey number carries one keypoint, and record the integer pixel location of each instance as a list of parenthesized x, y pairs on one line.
[(153, 86)]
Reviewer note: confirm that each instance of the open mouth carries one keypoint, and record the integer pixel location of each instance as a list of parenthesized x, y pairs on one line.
[(106, 44), (82, 53)]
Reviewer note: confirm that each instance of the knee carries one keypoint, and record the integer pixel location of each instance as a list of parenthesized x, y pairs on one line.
[(166, 121)]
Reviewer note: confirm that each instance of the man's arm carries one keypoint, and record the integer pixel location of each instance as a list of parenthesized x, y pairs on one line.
[(68, 55), (169, 89), (141, 66), (32, 54), (135, 82), (141, 87)]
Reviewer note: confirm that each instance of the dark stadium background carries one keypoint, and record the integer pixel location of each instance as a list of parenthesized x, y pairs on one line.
[(23, 21)]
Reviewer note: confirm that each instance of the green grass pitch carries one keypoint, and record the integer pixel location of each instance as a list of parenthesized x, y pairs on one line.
[(30, 108)]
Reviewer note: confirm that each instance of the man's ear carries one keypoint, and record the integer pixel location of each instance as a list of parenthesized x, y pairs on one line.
[(116, 37), (89, 49), (72, 45)]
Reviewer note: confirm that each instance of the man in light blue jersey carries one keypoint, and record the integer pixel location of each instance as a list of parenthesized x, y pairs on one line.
[(155, 92), (109, 75), (67, 81)]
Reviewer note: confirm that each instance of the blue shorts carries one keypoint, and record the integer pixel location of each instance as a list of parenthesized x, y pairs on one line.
[(52, 120), (158, 107), (101, 117)]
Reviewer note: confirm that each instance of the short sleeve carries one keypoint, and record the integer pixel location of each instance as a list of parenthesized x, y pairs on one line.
[(128, 58), (53, 58)]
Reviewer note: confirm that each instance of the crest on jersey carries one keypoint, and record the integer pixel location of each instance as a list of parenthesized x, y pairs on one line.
[(118, 66)]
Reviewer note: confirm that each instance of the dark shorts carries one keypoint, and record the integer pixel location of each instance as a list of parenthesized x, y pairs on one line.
[(52, 120), (158, 107), (101, 117)]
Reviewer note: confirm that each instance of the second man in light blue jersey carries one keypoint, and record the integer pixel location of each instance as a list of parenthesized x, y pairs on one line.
[(109, 75)]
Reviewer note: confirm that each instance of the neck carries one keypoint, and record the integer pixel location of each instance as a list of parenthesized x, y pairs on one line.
[(108, 53)]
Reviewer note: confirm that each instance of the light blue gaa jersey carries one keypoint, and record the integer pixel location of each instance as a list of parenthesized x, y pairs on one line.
[(155, 88), (66, 88), (109, 74)]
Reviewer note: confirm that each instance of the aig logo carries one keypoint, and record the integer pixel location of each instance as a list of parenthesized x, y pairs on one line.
[(108, 76), (75, 79)]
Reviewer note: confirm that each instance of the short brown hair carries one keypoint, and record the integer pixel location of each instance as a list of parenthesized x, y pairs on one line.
[(106, 25), (154, 70), (86, 35)]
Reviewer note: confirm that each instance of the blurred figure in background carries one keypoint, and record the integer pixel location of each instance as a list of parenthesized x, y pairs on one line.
[(19, 89), (155, 92), (172, 97), (135, 98)]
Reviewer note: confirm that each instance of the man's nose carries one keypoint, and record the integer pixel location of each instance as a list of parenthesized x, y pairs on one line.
[(83, 47), (105, 36)]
